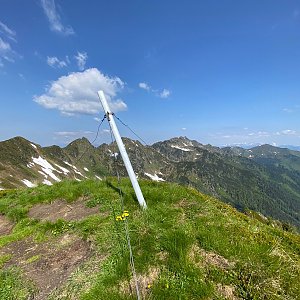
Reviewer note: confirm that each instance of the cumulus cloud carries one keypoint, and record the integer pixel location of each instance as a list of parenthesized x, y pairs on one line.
[(81, 59), (54, 62), (76, 93), (55, 19), (164, 94), (145, 86)]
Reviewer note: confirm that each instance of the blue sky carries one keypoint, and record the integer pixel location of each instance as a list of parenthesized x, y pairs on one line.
[(221, 72)]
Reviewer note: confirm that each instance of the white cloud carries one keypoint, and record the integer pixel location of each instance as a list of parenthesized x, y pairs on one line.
[(21, 76), (164, 94), (9, 33), (55, 19), (81, 59), (72, 133), (286, 132), (145, 86), (4, 46), (293, 109), (54, 62), (183, 128), (76, 93), (6, 52)]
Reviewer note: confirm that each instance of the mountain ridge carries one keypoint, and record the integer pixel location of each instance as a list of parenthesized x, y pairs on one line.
[(265, 178)]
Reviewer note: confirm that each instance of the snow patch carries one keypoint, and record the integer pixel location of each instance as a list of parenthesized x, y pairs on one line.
[(68, 164), (154, 177), (1, 189), (28, 183), (182, 149), (66, 171), (33, 145), (46, 176), (77, 179), (189, 143), (30, 165), (46, 167), (47, 182), (78, 172), (86, 169), (98, 177)]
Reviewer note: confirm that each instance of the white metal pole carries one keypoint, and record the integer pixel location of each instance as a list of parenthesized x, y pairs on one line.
[(122, 149)]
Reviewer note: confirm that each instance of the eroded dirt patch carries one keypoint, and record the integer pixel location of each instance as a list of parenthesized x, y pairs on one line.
[(5, 225), (60, 209), (145, 281), (227, 291), (202, 257), (48, 264)]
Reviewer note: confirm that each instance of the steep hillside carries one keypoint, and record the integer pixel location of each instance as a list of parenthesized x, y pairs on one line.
[(239, 176), (68, 241)]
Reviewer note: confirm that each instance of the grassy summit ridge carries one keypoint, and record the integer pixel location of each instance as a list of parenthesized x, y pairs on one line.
[(186, 245)]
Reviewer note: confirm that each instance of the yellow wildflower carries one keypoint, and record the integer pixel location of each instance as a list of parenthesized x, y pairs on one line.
[(125, 213)]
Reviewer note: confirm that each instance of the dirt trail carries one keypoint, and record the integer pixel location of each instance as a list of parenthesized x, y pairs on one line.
[(48, 264), (5, 225), (60, 209)]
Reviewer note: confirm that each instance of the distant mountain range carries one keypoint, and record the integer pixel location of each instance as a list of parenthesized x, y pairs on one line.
[(264, 178), (252, 145)]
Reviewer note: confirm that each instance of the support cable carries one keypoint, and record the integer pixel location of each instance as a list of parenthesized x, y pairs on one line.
[(86, 149), (131, 130), (131, 261), (141, 140)]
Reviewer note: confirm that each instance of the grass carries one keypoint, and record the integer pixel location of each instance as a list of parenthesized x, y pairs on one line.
[(264, 259), (14, 287)]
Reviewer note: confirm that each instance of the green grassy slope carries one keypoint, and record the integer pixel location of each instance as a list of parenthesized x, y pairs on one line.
[(186, 245)]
